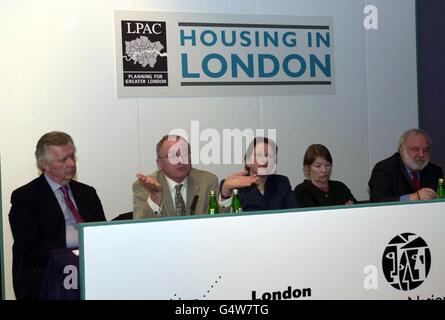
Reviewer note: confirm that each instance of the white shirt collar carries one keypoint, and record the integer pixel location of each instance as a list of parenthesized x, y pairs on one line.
[(172, 184), (54, 185)]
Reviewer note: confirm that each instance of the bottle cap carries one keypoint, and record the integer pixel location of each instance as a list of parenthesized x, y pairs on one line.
[(235, 191), (212, 192), (440, 180)]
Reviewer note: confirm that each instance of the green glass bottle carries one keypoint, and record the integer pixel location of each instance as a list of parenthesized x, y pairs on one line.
[(213, 203), (236, 205), (440, 189)]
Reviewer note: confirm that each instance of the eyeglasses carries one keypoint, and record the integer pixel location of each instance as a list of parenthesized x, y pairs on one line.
[(177, 155)]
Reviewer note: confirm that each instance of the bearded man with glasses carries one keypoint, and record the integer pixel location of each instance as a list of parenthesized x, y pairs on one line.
[(408, 174)]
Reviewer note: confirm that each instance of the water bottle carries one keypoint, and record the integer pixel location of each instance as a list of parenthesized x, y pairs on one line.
[(213, 203), (440, 189), (236, 202)]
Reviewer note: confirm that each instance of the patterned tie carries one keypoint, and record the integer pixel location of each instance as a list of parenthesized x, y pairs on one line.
[(71, 205), (416, 181), (179, 201)]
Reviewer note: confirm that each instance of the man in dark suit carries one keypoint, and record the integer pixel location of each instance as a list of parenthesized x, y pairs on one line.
[(45, 212), (408, 174)]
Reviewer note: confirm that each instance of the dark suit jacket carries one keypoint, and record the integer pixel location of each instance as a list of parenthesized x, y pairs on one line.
[(38, 226), (389, 179), (277, 195)]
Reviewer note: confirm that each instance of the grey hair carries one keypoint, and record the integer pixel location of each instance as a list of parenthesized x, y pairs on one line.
[(53, 138), (411, 132)]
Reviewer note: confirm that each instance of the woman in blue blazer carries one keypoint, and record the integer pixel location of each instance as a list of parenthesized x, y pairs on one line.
[(259, 187)]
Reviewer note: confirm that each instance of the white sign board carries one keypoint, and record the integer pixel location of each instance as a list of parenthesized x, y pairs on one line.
[(195, 54), (353, 252)]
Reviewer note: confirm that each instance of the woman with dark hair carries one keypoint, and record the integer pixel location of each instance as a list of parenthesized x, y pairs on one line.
[(318, 189), (259, 187)]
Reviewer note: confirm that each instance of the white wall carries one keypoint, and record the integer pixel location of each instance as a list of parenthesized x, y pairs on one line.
[(391, 76), (58, 73)]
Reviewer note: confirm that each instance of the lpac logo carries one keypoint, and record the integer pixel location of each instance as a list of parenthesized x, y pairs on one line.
[(406, 261), (144, 53)]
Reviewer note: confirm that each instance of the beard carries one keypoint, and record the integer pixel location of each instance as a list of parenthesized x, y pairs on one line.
[(416, 164)]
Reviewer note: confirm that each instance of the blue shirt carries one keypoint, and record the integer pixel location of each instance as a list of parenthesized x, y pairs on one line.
[(72, 233)]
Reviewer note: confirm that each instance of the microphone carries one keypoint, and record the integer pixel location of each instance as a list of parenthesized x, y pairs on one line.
[(193, 206)]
